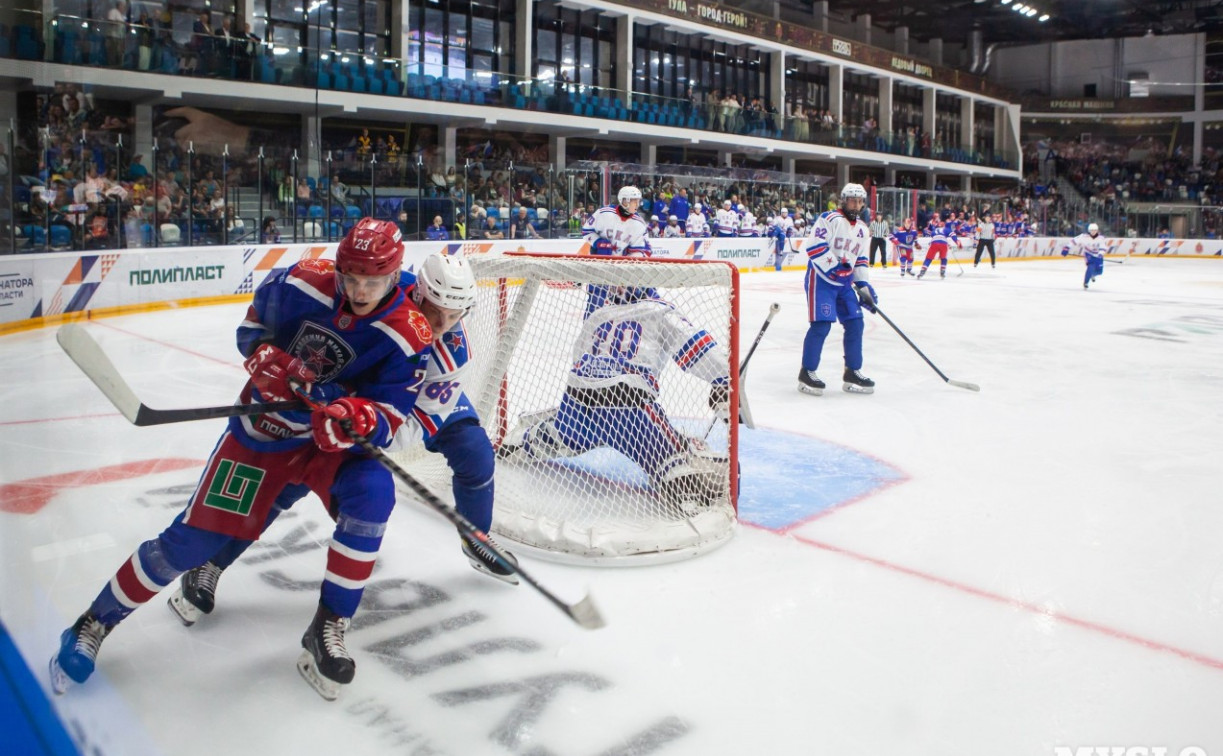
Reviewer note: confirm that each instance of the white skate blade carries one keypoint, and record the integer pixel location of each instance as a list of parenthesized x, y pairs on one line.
[(812, 390), (186, 611), (328, 689), (60, 682), (853, 388)]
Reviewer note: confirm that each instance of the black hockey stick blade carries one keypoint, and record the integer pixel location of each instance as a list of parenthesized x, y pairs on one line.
[(93, 362), (960, 384), (584, 612)]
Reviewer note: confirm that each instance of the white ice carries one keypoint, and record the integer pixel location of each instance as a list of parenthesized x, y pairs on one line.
[(1046, 572)]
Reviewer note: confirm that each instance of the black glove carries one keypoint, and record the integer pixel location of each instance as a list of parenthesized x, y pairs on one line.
[(866, 296), (719, 397)]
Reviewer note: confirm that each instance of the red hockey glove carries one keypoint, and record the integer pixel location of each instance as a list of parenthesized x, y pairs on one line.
[(272, 369), (327, 423)]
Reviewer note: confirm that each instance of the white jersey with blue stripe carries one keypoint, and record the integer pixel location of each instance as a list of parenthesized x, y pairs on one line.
[(837, 248), (627, 234), (1086, 244), (441, 392), (629, 345)]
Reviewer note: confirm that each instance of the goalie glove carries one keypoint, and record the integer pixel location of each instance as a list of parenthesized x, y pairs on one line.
[(327, 423), (602, 247), (866, 295), (273, 371), (719, 396)]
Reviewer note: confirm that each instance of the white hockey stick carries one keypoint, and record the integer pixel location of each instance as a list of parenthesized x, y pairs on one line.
[(94, 363)]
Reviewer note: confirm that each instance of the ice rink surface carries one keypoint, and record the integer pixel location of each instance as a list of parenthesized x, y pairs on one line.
[(926, 570)]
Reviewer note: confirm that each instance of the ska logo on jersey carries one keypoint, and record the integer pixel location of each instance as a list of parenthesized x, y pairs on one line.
[(323, 351), (454, 340)]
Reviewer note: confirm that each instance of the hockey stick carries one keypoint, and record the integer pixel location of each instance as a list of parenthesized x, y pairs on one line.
[(94, 363), (584, 612), (956, 257), (745, 412), (961, 384)]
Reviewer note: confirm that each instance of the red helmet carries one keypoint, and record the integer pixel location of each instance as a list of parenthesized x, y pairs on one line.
[(371, 248)]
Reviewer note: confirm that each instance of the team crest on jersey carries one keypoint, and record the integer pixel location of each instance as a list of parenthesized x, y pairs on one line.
[(323, 351), (317, 266), (419, 323), (454, 340)]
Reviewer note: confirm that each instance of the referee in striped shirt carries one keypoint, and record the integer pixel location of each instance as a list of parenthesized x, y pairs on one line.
[(985, 239), (880, 231)]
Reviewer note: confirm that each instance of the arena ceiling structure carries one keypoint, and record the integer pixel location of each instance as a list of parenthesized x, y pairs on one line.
[(999, 21)]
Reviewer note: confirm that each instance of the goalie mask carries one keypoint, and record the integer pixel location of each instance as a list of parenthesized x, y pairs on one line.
[(446, 281)]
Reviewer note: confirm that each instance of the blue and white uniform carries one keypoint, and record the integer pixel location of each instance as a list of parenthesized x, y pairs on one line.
[(836, 260), (1092, 248)]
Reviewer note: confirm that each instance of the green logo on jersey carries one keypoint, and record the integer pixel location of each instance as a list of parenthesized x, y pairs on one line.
[(233, 487)]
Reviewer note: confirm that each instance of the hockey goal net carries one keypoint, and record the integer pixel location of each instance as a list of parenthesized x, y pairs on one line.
[(599, 505)]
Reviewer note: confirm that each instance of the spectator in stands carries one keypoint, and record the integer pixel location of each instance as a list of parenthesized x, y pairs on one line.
[(437, 231), (304, 195), (202, 43), (116, 33), (521, 227), (269, 234), (491, 230), (339, 191)]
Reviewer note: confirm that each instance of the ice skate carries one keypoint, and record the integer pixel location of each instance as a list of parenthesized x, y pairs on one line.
[(922, 273), (483, 560), (856, 383), (78, 651), (942, 274), (196, 594), (809, 382), (325, 663)]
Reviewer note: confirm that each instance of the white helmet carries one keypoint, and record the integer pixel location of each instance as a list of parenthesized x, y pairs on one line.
[(726, 204), (653, 218), (1093, 229), (696, 206), (446, 281), (628, 193), (853, 190)]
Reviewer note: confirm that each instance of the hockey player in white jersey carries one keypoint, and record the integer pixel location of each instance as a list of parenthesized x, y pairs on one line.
[(747, 224), (836, 266), (1092, 246), (728, 221), (697, 224), (618, 229), (611, 398)]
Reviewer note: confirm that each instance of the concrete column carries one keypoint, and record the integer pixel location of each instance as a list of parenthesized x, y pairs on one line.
[(967, 122), (399, 20), (842, 175), (889, 176), (777, 83), (144, 133), (819, 15), (936, 51), (901, 36), (966, 183), (788, 165), (649, 155), (928, 105), (524, 37), (931, 179), (556, 152), (863, 24), (724, 157), (836, 90), (999, 128), (624, 58), (1197, 141), (310, 163), (886, 125), (450, 146)]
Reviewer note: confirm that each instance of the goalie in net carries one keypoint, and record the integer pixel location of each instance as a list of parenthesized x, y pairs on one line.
[(611, 398), (594, 379)]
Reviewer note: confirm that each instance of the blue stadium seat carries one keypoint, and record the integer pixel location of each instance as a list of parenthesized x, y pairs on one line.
[(61, 237)]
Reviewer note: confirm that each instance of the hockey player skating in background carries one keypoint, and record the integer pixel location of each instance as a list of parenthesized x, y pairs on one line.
[(443, 419), (1092, 246), (905, 239), (943, 234), (351, 335), (611, 398), (836, 267)]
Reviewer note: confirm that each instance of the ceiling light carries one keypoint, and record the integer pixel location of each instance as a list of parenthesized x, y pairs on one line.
[(1043, 18), (1030, 12), (1006, 2)]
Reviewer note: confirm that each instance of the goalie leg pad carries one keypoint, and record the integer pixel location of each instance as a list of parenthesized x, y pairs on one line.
[(694, 479)]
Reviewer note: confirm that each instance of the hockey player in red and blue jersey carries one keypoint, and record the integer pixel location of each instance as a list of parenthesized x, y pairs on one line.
[(350, 336), (944, 233), (837, 266), (905, 239), (1092, 246)]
